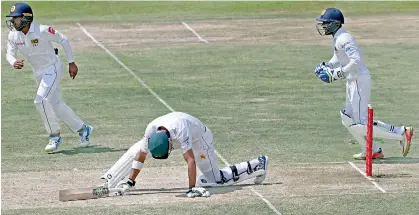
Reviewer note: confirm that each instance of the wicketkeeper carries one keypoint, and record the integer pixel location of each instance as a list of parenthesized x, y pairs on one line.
[(348, 64)]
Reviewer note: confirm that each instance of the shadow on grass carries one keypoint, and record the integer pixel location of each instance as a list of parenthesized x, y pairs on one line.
[(88, 150)]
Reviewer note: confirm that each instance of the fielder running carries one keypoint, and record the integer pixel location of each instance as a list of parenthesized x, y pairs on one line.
[(347, 63), (34, 42), (182, 131)]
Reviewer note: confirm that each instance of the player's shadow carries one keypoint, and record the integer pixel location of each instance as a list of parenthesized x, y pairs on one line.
[(88, 150), (397, 160), (182, 190)]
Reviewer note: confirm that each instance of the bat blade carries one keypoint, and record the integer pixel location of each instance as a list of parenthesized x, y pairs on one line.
[(85, 193)]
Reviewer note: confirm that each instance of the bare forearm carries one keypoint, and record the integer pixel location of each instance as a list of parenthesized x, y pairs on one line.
[(134, 173), (141, 156), (192, 173), (190, 160)]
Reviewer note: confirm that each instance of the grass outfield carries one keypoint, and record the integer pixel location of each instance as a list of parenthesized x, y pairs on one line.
[(64, 12), (252, 84)]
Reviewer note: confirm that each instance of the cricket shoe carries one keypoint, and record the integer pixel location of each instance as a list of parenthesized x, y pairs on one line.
[(54, 143), (375, 155), (263, 165), (406, 142), (84, 136)]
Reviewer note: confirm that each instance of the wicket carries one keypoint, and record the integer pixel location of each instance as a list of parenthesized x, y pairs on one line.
[(368, 143)]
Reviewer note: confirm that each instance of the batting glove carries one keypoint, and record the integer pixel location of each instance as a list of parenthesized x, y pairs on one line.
[(198, 192), (126, 187)]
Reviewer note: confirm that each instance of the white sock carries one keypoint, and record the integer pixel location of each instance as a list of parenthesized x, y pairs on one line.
[(388, 127), (399, 130)]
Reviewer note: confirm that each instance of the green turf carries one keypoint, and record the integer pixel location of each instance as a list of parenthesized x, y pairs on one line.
[(269, 102), (256, 98), (262, 84), (67, 12), (102, 102)]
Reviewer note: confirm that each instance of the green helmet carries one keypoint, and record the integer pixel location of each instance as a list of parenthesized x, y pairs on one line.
[(158, 144)]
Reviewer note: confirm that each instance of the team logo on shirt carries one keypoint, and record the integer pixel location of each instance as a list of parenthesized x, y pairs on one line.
[(35, 42), (203, 156), (20, 43), (51, 30)]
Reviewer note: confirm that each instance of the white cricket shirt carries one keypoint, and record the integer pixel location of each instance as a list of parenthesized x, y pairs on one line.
[(347, 55), (37, 46), (184, 130)]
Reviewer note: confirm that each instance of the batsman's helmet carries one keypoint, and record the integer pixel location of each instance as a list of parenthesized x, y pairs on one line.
[(330, 21), (20, 10), (159, 146)]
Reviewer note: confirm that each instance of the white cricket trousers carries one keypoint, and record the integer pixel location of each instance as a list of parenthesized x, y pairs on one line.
[(205, 157), (357, 98), (49, 103)]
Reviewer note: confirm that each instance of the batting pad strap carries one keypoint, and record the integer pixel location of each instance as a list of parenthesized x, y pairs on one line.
[(236, 175), (137, 165), (249, 168)]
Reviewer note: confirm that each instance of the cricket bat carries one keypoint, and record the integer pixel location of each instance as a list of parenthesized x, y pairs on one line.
[(86, 193)]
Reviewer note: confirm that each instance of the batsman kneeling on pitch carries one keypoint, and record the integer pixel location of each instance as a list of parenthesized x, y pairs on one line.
[(179, 130)]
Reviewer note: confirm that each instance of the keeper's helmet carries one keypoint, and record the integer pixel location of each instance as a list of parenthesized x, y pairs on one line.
[(22, 10), (330, 21)]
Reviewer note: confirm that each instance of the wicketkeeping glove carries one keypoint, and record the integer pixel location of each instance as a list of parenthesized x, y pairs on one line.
[(319, 68), (329, 75)]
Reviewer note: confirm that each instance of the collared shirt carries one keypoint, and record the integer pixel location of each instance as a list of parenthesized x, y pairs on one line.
[(347, 55), (184, 130), (37, 46)]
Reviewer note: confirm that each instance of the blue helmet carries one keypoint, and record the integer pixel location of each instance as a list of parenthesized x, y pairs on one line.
[(330, 21), (20, 10)]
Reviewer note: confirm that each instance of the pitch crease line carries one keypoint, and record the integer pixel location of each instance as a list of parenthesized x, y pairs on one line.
[(369, 178), (194, 32)]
